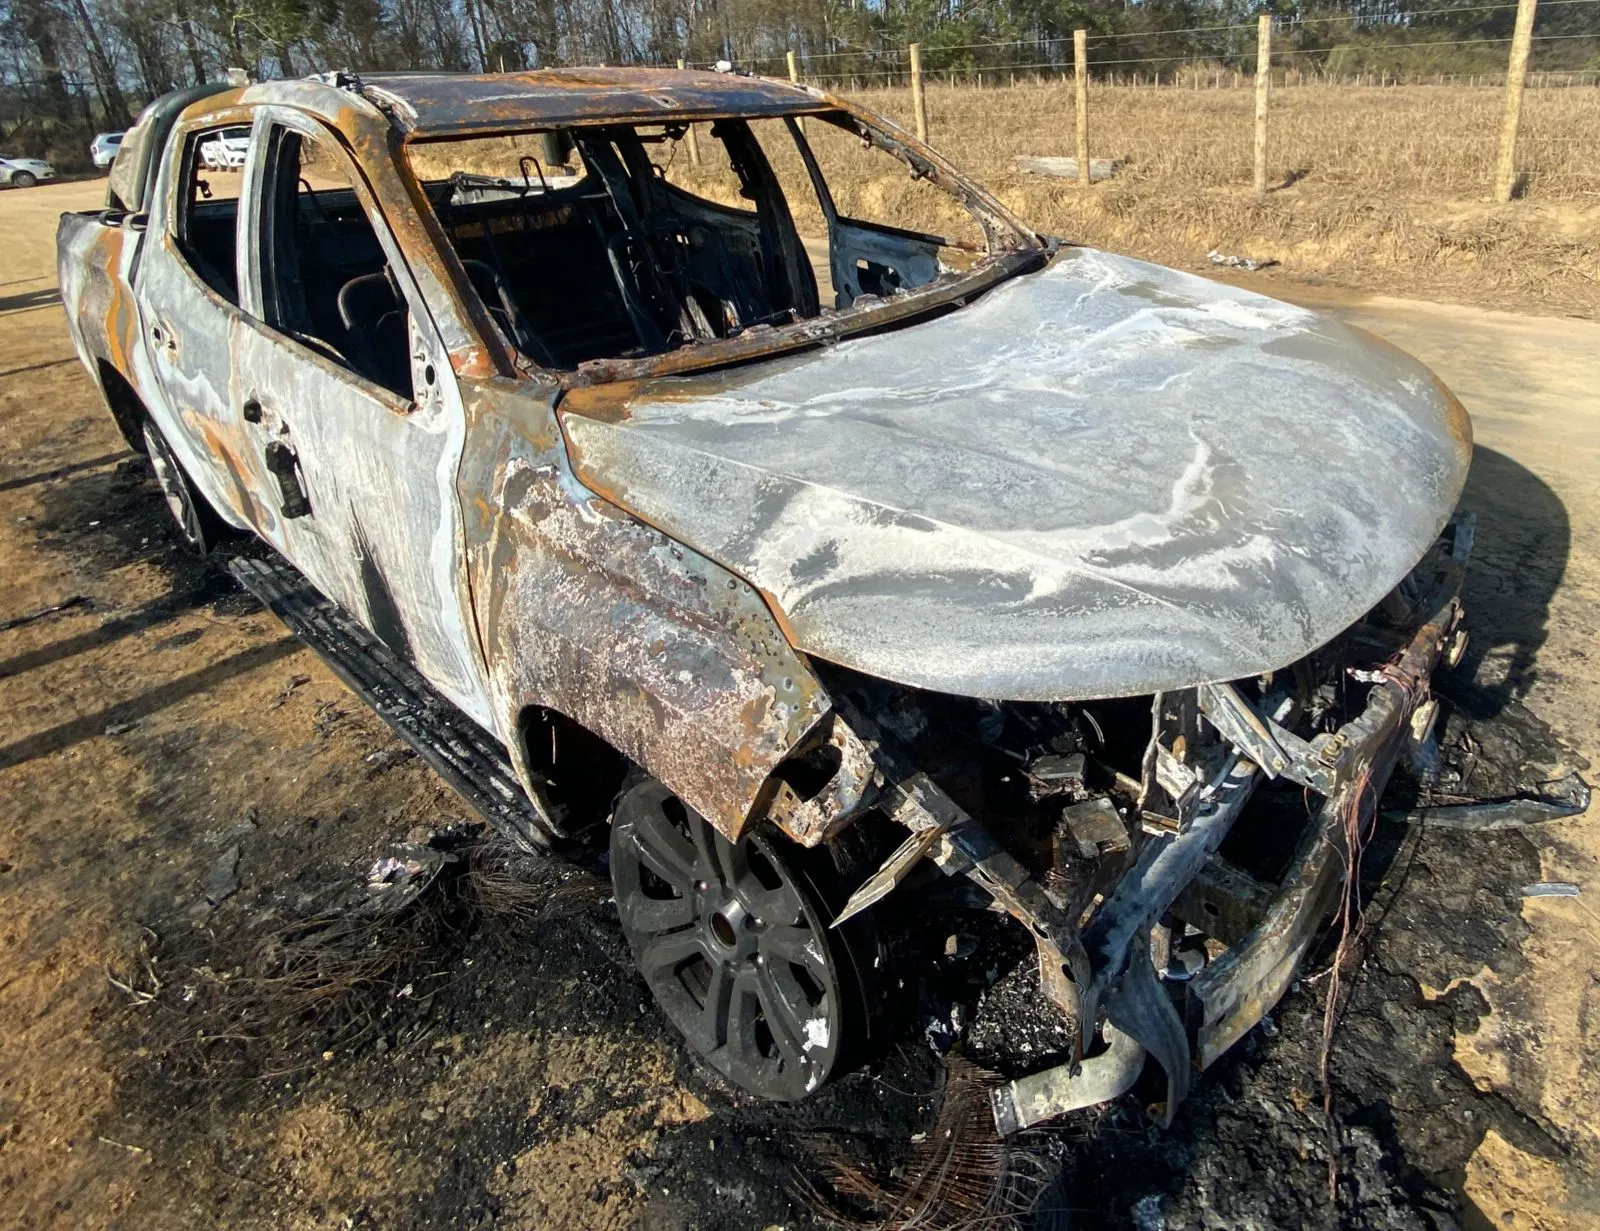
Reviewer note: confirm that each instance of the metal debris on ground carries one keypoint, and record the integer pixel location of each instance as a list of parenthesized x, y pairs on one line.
[(222, 881), (1560, 800), (76, 601), (1549, 889), (1503, 769), (295, 682), (1239, 262)]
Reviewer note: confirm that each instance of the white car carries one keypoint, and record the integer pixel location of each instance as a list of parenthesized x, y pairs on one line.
[(794, 591), (226, 151), (103, 149), (24, 172)]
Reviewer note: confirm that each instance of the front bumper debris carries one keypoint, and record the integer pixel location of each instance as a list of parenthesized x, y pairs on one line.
[(1105, 977)]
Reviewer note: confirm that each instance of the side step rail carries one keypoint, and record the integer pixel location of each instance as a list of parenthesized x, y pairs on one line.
[(458, 749)]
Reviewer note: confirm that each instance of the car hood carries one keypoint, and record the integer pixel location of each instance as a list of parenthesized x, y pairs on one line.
[(1103, 479)]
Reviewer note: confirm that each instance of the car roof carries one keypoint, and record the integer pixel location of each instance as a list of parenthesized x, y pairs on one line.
[(441, 104)]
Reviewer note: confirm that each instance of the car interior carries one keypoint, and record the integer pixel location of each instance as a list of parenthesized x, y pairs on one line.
[(587, 250), (590, 249), (326, 280), (208, 215)]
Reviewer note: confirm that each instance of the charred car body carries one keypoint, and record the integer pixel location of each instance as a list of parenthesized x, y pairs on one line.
[(822, 570)]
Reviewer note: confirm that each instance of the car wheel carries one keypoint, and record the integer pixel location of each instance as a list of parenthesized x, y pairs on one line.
[(24, 179), (197, 521), (733, 940)]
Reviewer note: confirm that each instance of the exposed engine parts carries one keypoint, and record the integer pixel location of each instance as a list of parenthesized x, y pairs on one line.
[(1108, 851)]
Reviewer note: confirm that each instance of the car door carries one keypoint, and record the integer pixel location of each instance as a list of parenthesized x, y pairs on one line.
[(349, 399), (186, 294)]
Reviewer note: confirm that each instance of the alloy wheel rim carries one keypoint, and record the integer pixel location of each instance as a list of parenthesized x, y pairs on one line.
[(730, 944)]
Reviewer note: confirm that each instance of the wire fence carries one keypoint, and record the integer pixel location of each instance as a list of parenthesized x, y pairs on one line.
[(1177, 72), (1294, 67), (1223, 48), (1264, 66)]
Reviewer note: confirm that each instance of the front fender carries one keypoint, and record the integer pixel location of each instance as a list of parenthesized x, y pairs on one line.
[(584, 609)]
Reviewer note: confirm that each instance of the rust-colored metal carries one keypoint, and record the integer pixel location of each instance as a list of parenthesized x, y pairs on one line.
[(586, 610), (434, 104)]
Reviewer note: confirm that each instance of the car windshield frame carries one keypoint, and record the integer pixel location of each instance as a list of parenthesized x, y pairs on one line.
[(1011, 248)]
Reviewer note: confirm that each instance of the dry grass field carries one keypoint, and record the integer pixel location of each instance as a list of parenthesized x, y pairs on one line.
[(1412, 141), (1389, 186)]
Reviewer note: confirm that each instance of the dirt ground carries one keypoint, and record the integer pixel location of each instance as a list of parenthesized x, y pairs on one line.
[(172, 763)]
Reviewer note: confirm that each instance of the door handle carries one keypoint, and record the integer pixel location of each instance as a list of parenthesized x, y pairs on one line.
[(285, 468), (162, 335)]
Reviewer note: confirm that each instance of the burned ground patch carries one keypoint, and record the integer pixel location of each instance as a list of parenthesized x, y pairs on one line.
[(536, 1086), (517, 1039)]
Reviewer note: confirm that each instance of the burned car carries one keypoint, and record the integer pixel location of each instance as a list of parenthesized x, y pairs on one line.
[(807, 562)]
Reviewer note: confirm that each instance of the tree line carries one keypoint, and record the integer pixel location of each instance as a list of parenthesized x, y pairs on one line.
[(72, 67)]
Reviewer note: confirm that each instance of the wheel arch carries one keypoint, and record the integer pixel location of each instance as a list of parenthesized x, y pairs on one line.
[(572, 773), (668, 658), (575, 774), (123, 401)]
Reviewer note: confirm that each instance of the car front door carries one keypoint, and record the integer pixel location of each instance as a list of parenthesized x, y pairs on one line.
[(356, 422)]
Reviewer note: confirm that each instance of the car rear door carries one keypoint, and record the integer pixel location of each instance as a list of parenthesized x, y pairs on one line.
[(186, 293), (349, 398)]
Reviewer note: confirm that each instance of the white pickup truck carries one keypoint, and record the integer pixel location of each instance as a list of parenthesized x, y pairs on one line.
[(805, 562)]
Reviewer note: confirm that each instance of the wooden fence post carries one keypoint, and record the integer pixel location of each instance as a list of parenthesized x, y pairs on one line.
[(1505, 173), (794, 76), (1080, 62), (694, 145), (1263, 82), (919, 103)]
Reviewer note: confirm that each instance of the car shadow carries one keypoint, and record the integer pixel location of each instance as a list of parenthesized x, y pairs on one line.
[(105, 514), (114, 719), (1519, 558), (25, 300), (61, 472), (38, 367)]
